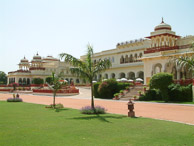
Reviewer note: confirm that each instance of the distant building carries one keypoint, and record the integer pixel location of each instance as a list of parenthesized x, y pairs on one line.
[(40, 68), (141, 58)]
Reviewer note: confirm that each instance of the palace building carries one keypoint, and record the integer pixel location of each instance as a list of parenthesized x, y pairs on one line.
[(40, 67), (142, 58), (139, 58)]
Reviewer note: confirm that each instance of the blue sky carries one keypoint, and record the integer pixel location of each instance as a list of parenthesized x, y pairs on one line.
[(51, 27)]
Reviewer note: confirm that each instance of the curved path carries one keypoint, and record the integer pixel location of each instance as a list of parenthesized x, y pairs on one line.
[(171, 112)]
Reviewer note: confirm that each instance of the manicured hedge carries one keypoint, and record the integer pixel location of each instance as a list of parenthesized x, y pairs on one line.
[(151, 94), (108, 88), (180, 93), (176, 93)]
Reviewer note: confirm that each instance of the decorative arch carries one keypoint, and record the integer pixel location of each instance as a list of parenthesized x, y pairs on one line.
[(20, 81), (106, 76), (157, 68), (131, 58), (122, 59), (131, 75), (24, 81), (126, 59), (113, 75), (122, 75), (140, 74), (77, 81), (28, 81)]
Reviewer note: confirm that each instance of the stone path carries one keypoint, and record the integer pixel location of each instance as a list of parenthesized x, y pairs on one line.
[(172, 112)]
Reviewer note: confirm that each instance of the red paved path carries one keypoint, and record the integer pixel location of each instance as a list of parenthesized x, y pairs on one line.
[(179, 113)]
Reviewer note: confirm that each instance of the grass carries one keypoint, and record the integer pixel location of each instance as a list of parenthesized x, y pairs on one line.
[(24, 124)]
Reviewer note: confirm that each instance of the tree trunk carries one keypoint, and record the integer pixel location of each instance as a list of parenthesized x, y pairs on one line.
[(54, 94), (92, 96)]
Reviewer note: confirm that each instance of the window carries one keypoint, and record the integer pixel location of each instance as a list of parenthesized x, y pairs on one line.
[(113, 60)]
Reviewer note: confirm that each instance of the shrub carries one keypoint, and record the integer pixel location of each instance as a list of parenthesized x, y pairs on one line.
[(95, 88), (49, 80), (108, 88), (96, 110), (122, 86), (151, 94), (161, 81), (14, 100), (37, 81), (180, 93)]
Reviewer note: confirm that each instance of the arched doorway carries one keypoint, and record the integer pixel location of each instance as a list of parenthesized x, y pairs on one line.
[(131, 75), (113, 75), (122, 75)]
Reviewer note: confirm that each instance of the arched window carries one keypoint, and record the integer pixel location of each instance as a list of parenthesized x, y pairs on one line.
[(140, 55), (126, 59), (131, 58), (122, 59)]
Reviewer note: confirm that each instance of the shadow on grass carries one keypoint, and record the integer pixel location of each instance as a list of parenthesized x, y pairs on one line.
[(62, 109), (100, 118), (58, 110)]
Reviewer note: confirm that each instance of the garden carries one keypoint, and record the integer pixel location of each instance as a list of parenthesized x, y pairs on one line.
[(162, 88), (33, 124)]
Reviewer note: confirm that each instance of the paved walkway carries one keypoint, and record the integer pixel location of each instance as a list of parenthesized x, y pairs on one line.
[(172, 112)]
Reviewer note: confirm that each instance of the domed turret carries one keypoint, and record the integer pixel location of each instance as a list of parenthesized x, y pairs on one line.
[(162, 25), (24, 60), (37, 56), (24, 64)]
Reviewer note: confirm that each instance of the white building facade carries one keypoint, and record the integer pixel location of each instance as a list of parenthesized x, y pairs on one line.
[(142, 58), (40, 67)]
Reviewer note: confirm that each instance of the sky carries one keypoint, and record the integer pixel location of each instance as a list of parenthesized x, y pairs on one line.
[(51, 27)]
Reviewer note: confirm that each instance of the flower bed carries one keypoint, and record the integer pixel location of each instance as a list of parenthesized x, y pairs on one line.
[(59, 91)]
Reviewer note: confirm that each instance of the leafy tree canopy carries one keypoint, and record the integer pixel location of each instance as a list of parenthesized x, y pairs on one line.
[(3, 78)]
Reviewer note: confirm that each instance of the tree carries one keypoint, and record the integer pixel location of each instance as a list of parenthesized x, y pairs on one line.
[(3, 78), (86, 69), (161, 81), (49, 80), (186, 60), (55, 85)]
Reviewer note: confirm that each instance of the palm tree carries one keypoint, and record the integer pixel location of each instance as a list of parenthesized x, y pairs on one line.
[(186, 61), (86, 69), (55, 86)]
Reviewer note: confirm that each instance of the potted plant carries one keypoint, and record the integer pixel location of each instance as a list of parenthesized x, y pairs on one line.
[(144, 88), (139, 93), (127, 88), (135, 97), (116, 96), (121, 92)]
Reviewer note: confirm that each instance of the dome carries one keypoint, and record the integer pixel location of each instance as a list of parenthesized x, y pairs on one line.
[(24, 59), (50, 58), (37, 56), (162, 25)]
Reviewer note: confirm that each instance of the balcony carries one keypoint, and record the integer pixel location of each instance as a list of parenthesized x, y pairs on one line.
[(159, 49)]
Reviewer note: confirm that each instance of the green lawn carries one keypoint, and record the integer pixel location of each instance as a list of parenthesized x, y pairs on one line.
[(23, 124)]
